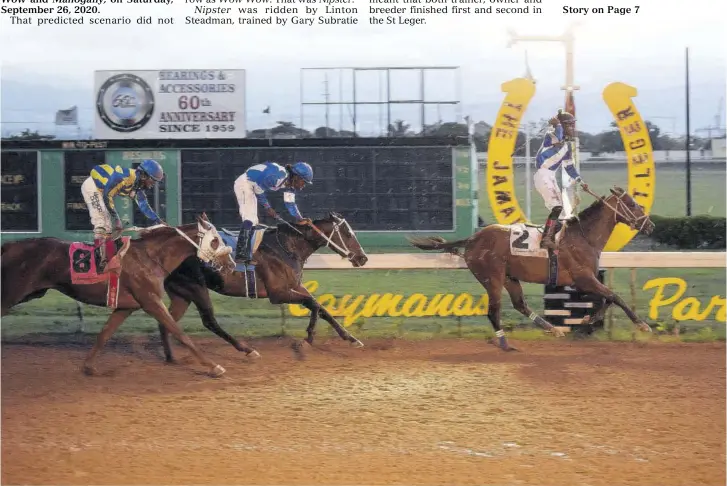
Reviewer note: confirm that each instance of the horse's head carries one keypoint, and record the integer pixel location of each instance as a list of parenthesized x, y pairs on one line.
[(340, 238), (210, 248), (629, 212)]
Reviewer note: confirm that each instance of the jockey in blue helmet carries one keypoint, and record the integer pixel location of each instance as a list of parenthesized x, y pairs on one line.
[(250, 189)]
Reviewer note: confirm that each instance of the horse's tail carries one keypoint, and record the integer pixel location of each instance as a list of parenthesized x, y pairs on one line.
[(438, 243)]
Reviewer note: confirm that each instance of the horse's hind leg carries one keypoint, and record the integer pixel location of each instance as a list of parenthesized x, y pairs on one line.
[(112, 324), (515, 290), (492, 278), (177, 309), (182, 294), (155, 308)]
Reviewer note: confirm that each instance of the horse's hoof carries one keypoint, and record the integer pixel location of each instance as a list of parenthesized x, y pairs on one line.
[(510, 348), (357, 344), (644, 327), (558, 333), (253, 354), (217, 371), (90, 370)]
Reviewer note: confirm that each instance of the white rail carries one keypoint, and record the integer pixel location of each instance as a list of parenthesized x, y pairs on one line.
[(431, 261)]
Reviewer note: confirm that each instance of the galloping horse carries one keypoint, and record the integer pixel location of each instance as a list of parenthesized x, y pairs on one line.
[(279, 272), (583, 237), (32, 266)]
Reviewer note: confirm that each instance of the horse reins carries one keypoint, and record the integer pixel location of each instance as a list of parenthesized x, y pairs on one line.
[(620, 205), (183, 235), (329, 241)]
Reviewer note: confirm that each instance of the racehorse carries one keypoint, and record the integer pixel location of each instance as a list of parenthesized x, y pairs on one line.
[(278, 276), (32, 266), (488, 255)]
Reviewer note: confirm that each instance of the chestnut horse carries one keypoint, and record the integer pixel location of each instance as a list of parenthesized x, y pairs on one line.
[(583, 237), (279, 273), (32, 266)]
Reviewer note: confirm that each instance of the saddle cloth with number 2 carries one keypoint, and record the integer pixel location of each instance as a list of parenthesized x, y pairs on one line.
[(525, 240)]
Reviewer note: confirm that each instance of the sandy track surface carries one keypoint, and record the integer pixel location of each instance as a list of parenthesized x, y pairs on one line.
[(395, 412)]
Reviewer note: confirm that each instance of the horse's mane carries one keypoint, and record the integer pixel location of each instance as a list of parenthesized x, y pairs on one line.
[(285, 229), (586, 213)]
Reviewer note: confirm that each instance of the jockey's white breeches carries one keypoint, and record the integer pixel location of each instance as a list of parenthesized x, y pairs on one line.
[(547, 186), (246, 199), (100, 216)]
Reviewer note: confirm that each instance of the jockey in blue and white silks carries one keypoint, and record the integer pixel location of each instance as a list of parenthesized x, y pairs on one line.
[(250, 189), (554, 151)]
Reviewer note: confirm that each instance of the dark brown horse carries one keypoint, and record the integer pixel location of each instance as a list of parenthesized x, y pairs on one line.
[(279, 273), (33, 266), (489, 257)]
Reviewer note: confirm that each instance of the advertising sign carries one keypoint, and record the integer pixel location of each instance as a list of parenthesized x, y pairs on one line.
[(178, 104)]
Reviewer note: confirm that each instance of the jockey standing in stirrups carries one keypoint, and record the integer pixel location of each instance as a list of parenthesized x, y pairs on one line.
[(555, 150), (250, 189), (105, 183)]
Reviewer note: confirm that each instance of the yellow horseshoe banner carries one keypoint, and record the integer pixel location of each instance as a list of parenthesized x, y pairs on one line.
[(500, 178), (639, 155)]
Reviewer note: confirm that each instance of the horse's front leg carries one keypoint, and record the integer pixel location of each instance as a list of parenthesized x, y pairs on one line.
[(589, 283), (311, 329), (300, 295), (342, 331)]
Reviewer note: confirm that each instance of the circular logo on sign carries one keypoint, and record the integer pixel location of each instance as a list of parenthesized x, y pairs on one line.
[(125, 102)]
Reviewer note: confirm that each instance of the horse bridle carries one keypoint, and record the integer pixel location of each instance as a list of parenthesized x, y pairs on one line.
[(621, 209), (344, 252)]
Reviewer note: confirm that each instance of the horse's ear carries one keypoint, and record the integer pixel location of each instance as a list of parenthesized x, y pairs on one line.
[(613, 191), (202, 219)]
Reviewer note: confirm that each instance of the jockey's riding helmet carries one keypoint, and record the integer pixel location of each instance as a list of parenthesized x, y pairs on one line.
[(152, 168), (304, 171), (565, 117)]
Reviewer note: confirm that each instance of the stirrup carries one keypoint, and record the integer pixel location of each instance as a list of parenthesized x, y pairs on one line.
[(101, 267)]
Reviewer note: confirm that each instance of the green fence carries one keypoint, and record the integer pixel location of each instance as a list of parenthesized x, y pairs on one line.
[(62, 167)]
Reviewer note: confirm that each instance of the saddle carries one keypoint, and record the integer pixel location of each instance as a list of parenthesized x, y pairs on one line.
[(525, 240), (229, 238)]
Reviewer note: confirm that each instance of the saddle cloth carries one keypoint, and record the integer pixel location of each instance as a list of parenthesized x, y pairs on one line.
[(525, 240), (84, 259)]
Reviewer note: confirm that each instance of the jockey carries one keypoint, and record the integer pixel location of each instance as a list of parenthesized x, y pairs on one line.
[(250, 189), (104, 184), (555, 150)]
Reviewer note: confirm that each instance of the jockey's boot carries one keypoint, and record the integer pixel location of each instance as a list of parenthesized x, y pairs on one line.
[(551, 226), (242, 251), (100, 243)]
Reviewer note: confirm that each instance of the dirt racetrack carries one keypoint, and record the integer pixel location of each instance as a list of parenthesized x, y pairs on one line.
[(395, 412)]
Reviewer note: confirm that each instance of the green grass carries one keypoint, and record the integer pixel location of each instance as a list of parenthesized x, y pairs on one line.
[(708, 189), (242, 317)]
